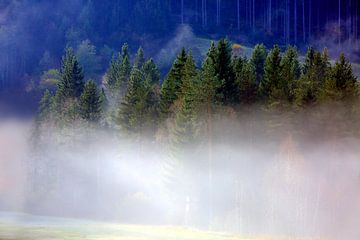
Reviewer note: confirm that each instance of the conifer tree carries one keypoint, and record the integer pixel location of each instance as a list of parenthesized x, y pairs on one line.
[(90, 103), (247, 83), (125, 68), (224, 70), (258, 60), (113, 76), (138, 109), (290, 73), (171, 88), (341, 84), (309, 60), (269, 86), (139, 59), (71, 84), (151, 72)]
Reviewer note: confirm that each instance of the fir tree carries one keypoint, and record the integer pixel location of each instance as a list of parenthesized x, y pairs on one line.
[(71, 84), (113, 76), (125, 68), (309, 60), (139, 59), (138, 110), (258, 60), (151, 72), (290, 73), (90, 103), (224, 70), (269, 86), (171, 88), (247, 83)]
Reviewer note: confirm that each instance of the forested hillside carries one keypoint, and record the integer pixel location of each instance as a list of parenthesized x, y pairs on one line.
[(34, 33)]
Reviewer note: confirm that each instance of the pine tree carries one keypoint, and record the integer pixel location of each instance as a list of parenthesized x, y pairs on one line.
[(139, 59), (138, 110), (224, 70), (171, 88), (71, 84), (258, 60), (341, 84), (247, 83), (309, 60), (125, 68), (151, 72), (90, 103), (290, 73), (113, 76), (269, 86)]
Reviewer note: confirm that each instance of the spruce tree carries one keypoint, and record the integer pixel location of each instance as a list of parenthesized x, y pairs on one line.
[(290, 73), (171, 87), (125, 68), (71, 84), (224, 70), (139, 59), (151, 72), (341, 84), (138, 110), (113, 76), (309, 60), (258, 60), (269, 86), (247, 83), (90, 103)]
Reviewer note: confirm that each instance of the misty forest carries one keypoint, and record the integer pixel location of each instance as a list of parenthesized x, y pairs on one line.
[(179, 119)]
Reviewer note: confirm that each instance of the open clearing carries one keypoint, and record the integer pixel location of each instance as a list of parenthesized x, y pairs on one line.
[(26, 227)]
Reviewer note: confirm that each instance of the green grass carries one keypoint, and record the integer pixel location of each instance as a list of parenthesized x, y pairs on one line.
[(26, 227)]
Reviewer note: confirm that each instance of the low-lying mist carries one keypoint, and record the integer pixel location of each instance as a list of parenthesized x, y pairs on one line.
[(273, 174)]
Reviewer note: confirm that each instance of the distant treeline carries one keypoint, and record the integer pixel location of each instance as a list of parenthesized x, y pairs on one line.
[(134, 99), (34, 31)]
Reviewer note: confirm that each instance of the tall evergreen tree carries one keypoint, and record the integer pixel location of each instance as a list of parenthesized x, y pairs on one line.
[(151, 72), (71, 84), (290, 73), (113, 76), (247, 84), (90, 103), (258, 60), (171, 88), (269, 86), (125, 68), (139, 59), (224, 70)]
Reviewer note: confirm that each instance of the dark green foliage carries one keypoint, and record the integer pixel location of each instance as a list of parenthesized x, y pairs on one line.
[(309, 60), (139, 59), (341, 84), (270, 86), (113, 75), (258, 60), (224, 71), (90, 103), (290, 73), (246, 81), (138, 110), (71, 84), (171, 88), (125, 67), (151, 72)]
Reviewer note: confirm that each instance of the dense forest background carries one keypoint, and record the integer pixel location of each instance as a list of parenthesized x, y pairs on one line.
[(33, 33)]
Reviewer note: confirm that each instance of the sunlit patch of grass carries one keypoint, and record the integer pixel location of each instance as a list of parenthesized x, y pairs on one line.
[(78, 230)]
